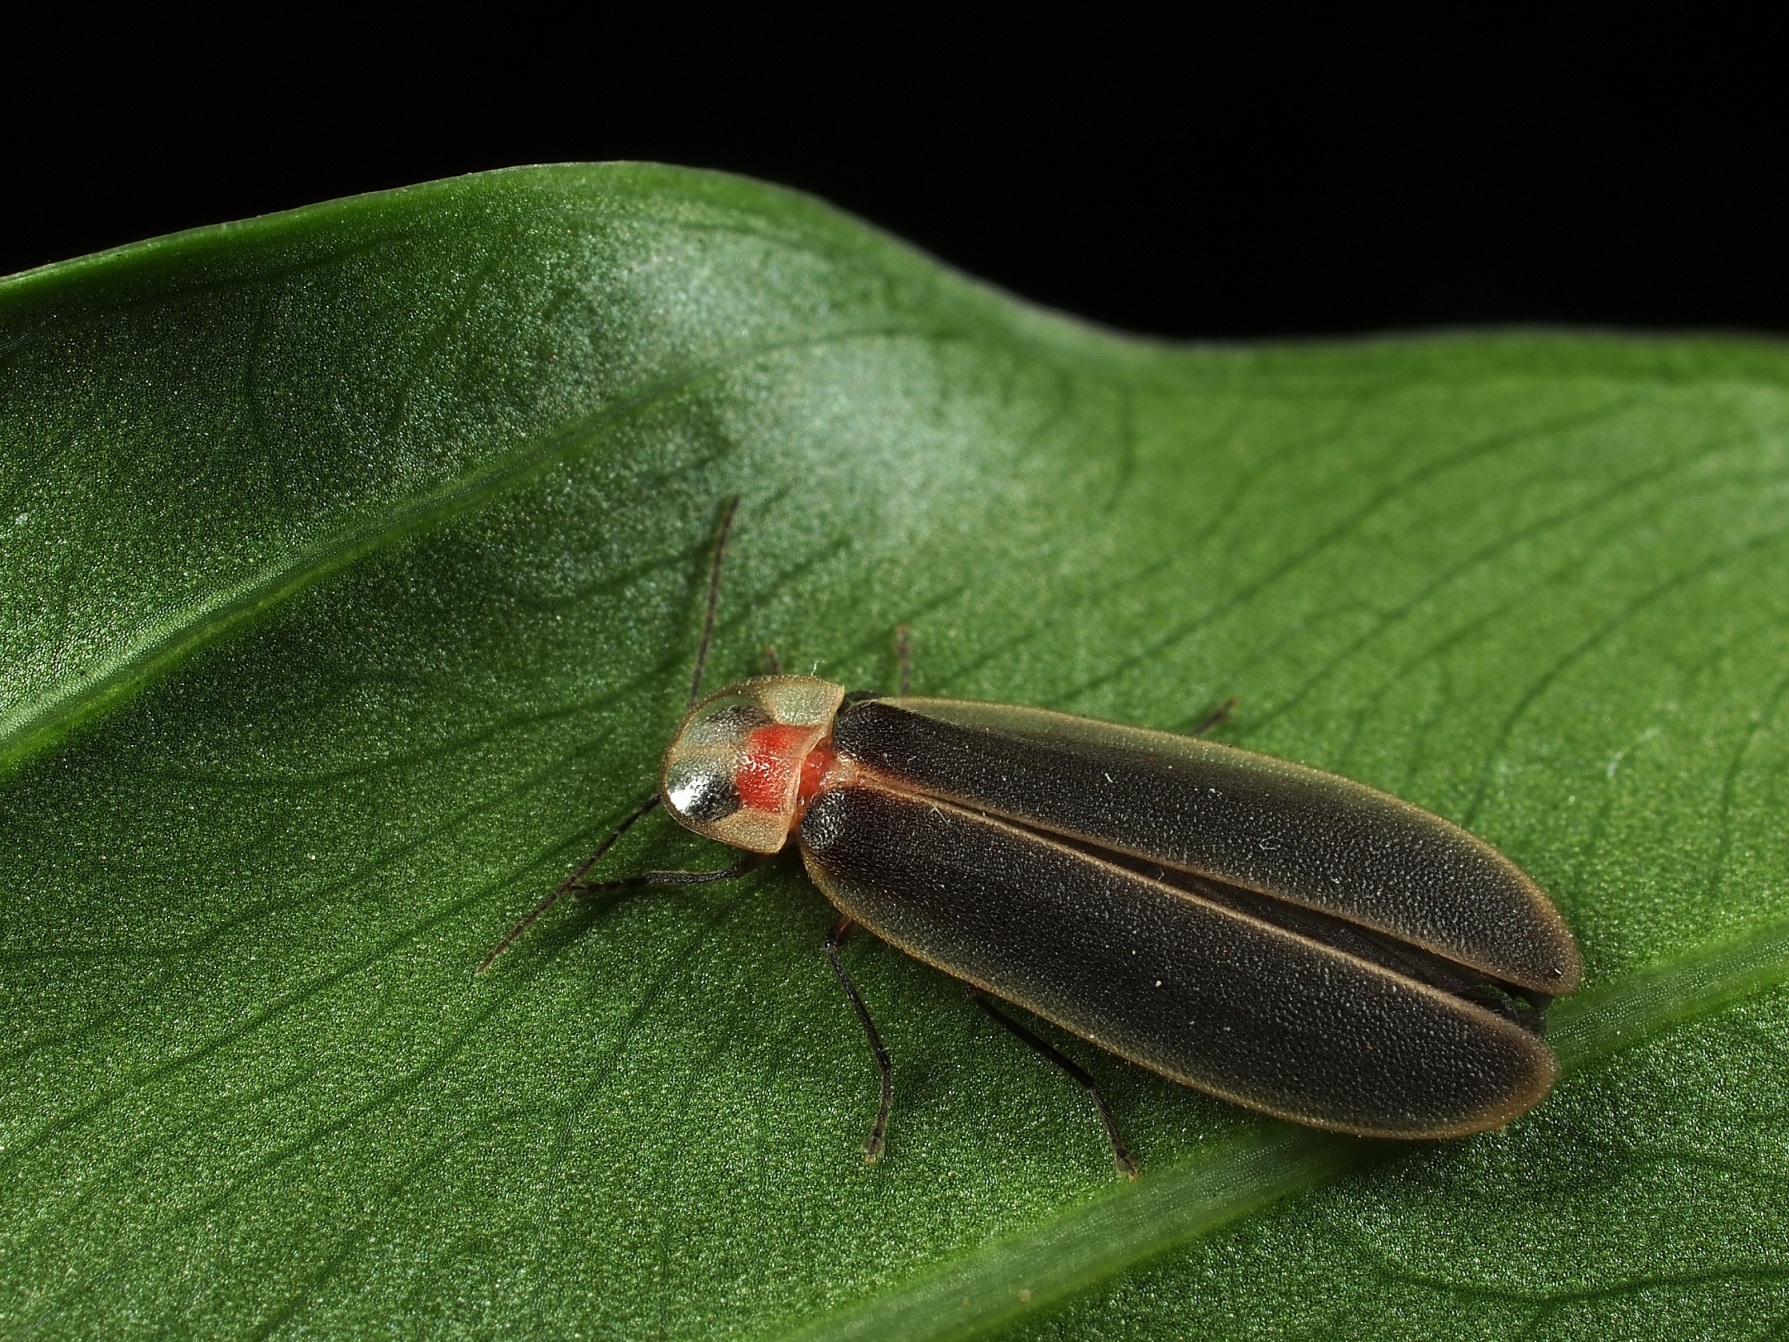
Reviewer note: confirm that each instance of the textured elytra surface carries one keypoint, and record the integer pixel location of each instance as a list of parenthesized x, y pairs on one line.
[(1273, 827), (1225, 1002), (350, 567)]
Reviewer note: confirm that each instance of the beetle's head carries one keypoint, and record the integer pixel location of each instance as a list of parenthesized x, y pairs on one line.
[(733, 771)]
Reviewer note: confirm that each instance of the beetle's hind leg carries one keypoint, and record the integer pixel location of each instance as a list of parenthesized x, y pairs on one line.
[(1122, 1159), (877, 1142)]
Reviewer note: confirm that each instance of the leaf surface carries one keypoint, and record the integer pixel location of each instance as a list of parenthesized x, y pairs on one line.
[(351, 566)]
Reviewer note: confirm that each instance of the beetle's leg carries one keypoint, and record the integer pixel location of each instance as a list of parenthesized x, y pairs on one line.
[(578, 889), (1216, 718), (772, 664), (569, 884), (1533, 1015), (903, 646), (876, 1143), (1121, 1156)]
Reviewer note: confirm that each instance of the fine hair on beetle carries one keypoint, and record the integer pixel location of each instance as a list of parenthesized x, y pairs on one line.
[(1280, 937)]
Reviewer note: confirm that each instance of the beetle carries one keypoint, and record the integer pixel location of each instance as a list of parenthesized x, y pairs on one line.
[(1278, 936)]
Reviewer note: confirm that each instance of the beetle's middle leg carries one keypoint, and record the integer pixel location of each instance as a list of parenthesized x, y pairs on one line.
[(876, 1142), (1121, 1155)]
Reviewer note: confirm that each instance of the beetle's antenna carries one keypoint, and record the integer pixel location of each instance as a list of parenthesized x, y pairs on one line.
[(566, 886), (574, 882), (714, 595)]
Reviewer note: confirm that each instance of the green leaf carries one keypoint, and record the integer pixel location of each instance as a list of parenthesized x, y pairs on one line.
[(353, 563)]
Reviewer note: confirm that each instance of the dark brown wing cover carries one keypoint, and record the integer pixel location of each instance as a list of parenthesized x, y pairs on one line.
[(1194, 991), (1246, 819)]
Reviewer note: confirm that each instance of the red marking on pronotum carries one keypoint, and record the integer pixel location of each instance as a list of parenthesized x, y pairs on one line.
[(766, 762)]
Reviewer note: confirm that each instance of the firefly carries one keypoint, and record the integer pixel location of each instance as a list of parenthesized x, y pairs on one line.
[(1280, 937)]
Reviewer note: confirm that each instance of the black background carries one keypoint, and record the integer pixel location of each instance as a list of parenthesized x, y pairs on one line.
[(1193, 183)]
